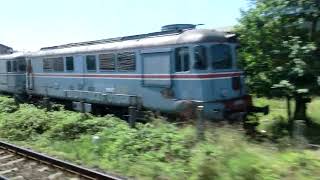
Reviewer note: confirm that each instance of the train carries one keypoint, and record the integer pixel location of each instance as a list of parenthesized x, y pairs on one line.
[(172, 71)]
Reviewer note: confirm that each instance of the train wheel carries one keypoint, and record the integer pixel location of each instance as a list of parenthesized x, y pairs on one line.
[(188, 113)]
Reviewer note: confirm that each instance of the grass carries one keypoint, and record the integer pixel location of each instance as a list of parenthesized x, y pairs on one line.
[(314, 110), (275, 122), (278, 107), (158, 150)]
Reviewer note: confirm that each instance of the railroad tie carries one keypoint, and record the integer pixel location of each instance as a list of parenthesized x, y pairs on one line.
[(43, 169), (6, 157), (17, 178), (12, 162), (55, 176), (8, 171), (33, 164)]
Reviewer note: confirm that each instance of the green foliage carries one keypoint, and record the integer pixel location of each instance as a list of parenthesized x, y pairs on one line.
[(280, 45), (296, 75), (313, 110), (160, 146), (70, 125), (156, 150), (275, 125), (7, 105), (26, 123), (279, 127)]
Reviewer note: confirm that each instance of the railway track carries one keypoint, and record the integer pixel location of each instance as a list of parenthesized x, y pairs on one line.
[(18, 163)]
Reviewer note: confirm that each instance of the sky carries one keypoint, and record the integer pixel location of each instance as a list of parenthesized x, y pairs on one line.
[(32, 24)]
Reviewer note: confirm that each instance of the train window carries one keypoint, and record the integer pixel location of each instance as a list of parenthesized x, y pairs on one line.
[(9, 66), (221, 56), (107, 62), (14, 66), (182, 59), (69, 63), (200, 58), (53, 64), (91, 63), (126, 61), (58, 64), (22, 65), (47, 65)]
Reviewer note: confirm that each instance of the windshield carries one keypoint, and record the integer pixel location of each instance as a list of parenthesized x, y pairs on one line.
[(200, 57), (221, 56)]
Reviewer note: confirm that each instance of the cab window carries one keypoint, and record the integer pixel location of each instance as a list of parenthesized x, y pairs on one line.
[(200, 58), (221, 56), (182, 59)]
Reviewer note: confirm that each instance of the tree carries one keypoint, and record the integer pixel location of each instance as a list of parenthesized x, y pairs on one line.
[(280, 49)]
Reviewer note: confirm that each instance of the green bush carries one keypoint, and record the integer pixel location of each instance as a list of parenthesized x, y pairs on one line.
[(7, 105), (27, 122), (278, 128), (157, 150), (70, 125)]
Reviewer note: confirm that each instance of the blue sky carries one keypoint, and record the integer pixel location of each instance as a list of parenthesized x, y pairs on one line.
[(32, 24)]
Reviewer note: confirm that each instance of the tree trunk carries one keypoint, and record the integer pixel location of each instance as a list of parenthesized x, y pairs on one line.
[(289, 109), (300, 112), (313, 29), (290, 119)]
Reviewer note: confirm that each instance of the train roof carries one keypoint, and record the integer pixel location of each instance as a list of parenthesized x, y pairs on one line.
[(157, 39), (15, 55)]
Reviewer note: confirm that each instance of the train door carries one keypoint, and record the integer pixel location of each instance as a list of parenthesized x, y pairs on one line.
[(12, 72), (80, 70), (29, 75), (3, 74), (89, 69), (156, 68)]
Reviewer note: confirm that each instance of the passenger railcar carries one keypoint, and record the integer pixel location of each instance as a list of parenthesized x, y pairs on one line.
[(12, 73), (170, 71)]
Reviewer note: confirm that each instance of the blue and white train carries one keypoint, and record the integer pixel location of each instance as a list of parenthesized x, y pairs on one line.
[(171, 71)]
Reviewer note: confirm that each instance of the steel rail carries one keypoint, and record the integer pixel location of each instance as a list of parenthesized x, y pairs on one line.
[(3, 178), (66, 166)]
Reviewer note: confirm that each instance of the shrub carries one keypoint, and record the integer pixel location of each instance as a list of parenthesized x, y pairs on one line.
[(70, 125), (7, 105), (278, 128), (157, 150), (26, 123)]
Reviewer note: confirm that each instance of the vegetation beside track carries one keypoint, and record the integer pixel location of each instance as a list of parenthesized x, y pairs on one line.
[(161, 150)]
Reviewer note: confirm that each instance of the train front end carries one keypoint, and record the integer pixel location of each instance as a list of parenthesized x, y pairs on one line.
[(224, 94), (214, 81)]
